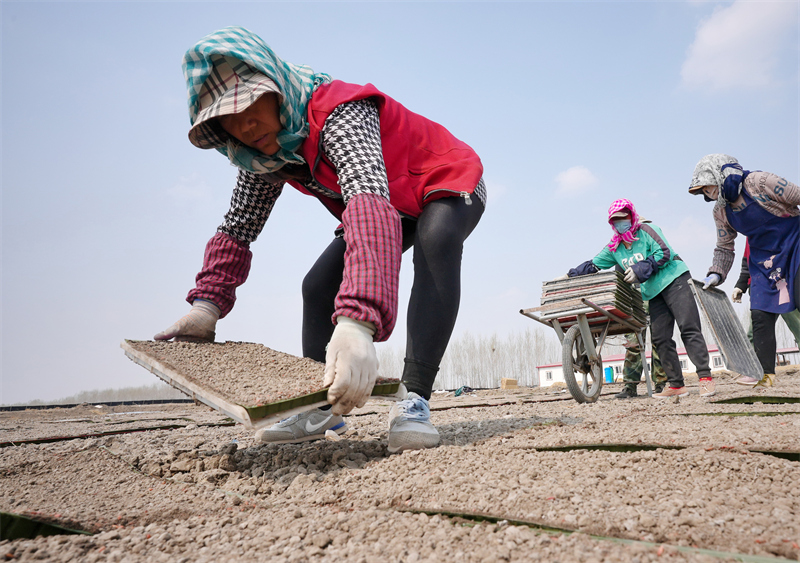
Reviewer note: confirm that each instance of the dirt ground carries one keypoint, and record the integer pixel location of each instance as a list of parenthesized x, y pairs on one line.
[(182, 483)]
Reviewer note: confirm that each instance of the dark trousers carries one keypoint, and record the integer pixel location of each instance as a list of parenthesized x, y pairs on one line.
[(674, 304), (797, 289), (764, 340), (438, 237)]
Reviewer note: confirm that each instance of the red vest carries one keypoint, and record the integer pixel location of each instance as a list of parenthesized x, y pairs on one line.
[(424, 161)]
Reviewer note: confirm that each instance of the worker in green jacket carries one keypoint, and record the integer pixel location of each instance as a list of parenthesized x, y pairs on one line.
[(646, 257)]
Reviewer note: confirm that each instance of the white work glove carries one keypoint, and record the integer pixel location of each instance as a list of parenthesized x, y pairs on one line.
[(736, 295), (711, 280), (564, 277), (351, 365), (199, 324), (630, 276)]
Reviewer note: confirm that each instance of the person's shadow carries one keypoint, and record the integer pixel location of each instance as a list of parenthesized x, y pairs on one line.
[(472, 432), (282, 463)]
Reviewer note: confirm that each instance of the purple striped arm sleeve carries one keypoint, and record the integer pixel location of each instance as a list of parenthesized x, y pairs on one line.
[(226, 265), (374, 240)]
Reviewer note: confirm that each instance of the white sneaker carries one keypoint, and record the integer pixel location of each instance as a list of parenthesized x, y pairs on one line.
[(410, 425), (669, 392), (303, 427), (748, 380)]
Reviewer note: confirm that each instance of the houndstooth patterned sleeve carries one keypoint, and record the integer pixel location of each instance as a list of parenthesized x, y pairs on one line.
[(251, 203), (352, 142)]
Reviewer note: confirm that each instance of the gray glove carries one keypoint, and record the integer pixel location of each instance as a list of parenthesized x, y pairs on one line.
[(199, 324), (736, 295), (630, 276)]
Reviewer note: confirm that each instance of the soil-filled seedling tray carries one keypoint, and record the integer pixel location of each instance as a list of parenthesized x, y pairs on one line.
[(791, 455), (752, 399), (252, 384)]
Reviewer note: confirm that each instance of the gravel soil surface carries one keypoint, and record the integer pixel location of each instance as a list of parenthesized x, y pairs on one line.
[(207, 491)]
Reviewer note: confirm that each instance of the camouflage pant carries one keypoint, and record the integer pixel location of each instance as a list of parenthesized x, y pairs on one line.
[(632, 368)]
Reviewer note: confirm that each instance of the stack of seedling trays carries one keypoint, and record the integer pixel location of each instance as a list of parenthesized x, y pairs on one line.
[(562, 300), (252, 384)]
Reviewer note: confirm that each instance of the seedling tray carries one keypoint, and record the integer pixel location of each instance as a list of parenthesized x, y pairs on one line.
[(739, 355), (253, 413)]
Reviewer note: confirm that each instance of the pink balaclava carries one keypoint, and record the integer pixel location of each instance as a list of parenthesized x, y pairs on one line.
[(630, 235)]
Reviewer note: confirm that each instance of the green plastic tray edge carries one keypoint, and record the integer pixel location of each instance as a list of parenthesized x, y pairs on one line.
[(750, 399), (262, 411), (16, 526)]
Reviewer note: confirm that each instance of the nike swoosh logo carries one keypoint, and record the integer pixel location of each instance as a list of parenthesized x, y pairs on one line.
[(311, 428)]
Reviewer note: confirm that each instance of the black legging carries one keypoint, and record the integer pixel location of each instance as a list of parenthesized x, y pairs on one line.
[(438, 237), (764, 340)]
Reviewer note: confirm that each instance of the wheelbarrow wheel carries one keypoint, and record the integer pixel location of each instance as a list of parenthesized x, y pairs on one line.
[(583, 380)]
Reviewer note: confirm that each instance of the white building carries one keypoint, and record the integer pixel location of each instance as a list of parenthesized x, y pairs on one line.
[(552, 373), (612, 366)]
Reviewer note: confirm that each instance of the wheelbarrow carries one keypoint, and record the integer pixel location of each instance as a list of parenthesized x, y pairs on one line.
[(582, 328)]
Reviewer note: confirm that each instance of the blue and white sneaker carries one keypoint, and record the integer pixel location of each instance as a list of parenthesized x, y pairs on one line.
[(410, 425), (303, 427)]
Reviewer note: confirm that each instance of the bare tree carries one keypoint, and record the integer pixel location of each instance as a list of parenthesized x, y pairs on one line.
[(155, 391), (481, 361)]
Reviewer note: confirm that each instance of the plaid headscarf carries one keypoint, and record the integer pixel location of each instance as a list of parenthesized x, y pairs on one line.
[(296, 84), (231, 88), (630, 235)]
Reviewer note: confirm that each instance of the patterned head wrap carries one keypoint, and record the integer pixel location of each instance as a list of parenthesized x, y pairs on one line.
[(630, 235), (720, 170), (296, 85)]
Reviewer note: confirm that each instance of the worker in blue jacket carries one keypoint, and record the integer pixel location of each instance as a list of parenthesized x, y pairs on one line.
[(642, 251)]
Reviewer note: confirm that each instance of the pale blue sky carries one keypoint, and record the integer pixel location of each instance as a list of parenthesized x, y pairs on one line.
[(106, 206)]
